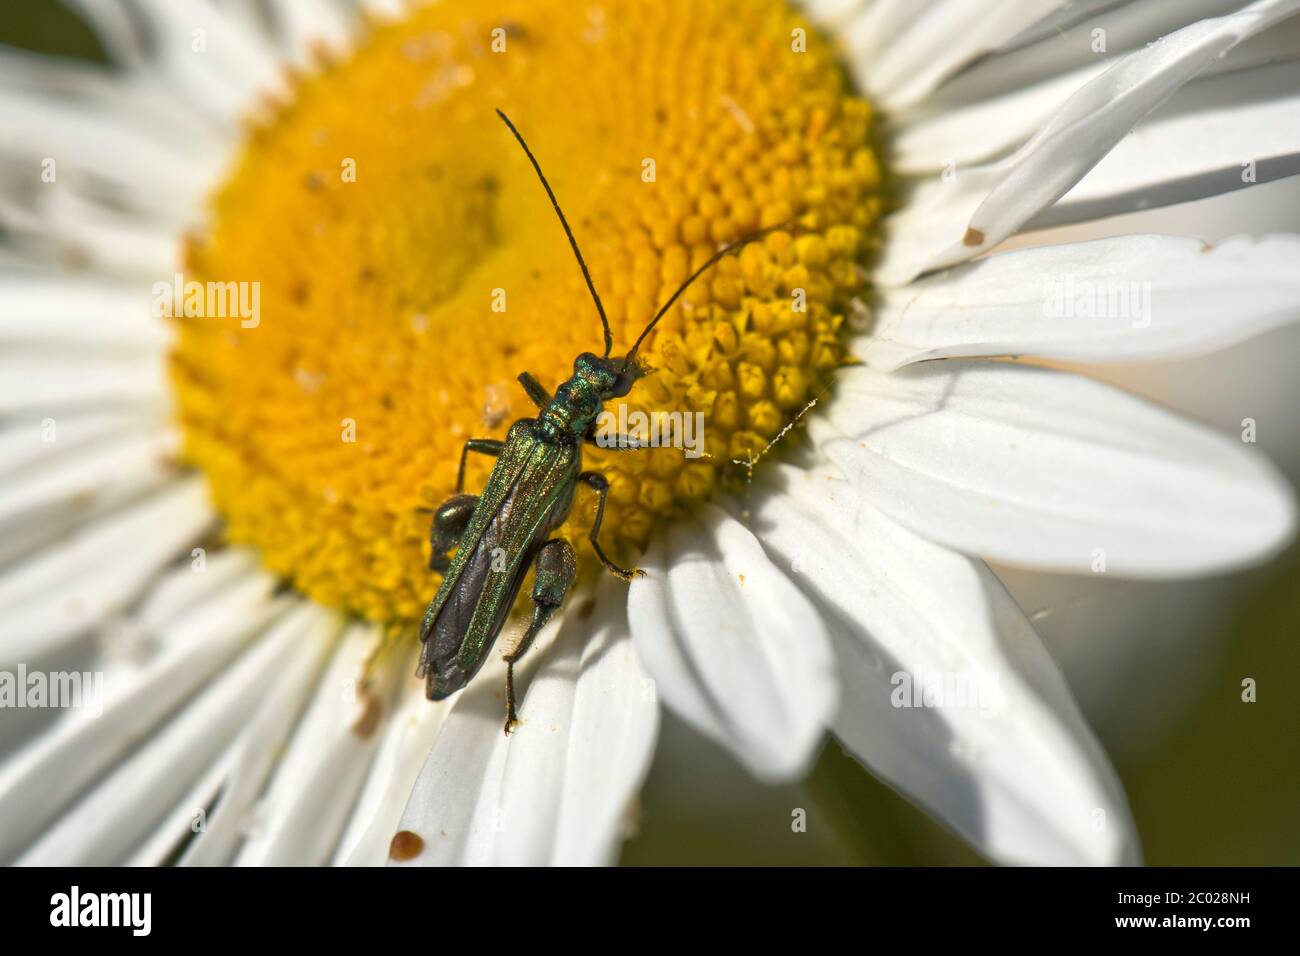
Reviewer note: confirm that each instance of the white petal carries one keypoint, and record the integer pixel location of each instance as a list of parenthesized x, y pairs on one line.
[(1124, 27), (177, 592), (733, 646), (317, 780), (1011, 765), (455, 805), (233, 63), (303, 23), (1031, 466), (569, 795), (173, 832), (985, 129), (1122, 299), (46, 384), (202, 56), (866, 34), (50, 599), (207, 824), (392, 9), (250, 761), (71, 310), (409, 737), (133, 100), (972, 120), (558, 789), (940, 38), (26, 444), (1059, 23), (834, 13), (948, 222), (113, 26), (1195, 145), (68, 226), (96, 152), (123, 809), (97, 464), (87, 480), (40, 781)]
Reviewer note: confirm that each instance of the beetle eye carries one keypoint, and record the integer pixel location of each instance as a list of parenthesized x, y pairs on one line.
[(627, 375), (622, 385)]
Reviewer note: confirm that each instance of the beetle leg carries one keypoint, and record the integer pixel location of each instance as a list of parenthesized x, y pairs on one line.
[(555, 567), (449, 523), (620, 443), (484, 446), (537, 393), (597, 481)]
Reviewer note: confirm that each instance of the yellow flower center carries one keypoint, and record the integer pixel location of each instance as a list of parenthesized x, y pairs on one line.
[(409, 267)]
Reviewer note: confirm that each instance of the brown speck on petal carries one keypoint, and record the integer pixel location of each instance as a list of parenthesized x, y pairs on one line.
[(75, 256), (368, 721), (973, 237), (585, 609), (405, 845)]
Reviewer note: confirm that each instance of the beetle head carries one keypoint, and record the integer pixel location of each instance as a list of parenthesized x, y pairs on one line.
[(612, 377)]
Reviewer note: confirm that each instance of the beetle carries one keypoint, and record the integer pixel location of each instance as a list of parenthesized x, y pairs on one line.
[(498, 534)]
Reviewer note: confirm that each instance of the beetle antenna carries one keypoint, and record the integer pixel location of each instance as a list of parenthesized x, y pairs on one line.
[(595, 297), (712, 260)]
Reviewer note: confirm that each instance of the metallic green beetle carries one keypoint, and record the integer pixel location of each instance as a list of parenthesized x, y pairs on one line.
[(498, 534)]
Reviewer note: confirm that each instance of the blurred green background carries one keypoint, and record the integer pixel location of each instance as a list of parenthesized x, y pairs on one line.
[(1211, 780)]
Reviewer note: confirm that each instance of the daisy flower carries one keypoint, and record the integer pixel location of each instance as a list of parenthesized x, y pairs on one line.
[(224, 511)]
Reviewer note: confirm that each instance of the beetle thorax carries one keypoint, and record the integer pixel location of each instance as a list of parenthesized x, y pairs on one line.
[(572, 413)]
